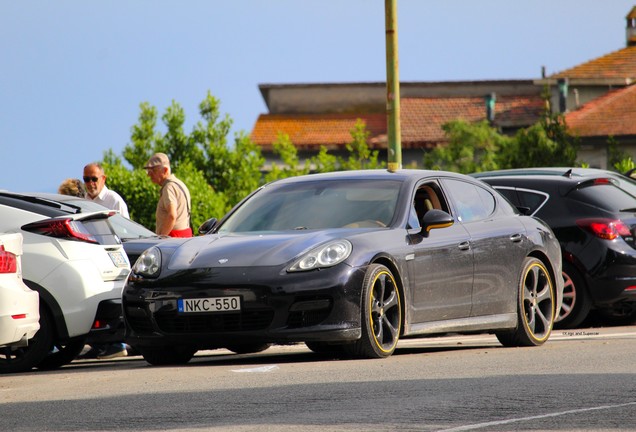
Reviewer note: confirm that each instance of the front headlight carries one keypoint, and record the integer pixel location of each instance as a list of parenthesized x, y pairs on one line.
[(327, 255), (149, 263)]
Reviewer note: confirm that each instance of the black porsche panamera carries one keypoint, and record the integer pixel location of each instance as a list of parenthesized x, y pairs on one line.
[(348, 262)]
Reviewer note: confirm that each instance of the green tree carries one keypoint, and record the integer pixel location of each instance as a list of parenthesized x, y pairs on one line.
[(546, 143), (289, 155), (179, 147), (193, 159), (618, 159), (360, 155), (136, 189), (236, 170), (143, 137), (324, 162), (472, 147)]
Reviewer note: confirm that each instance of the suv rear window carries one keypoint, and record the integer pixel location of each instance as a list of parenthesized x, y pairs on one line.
[(605, 196)]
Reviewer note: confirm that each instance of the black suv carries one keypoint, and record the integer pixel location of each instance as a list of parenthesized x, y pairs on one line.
[(593, 214)]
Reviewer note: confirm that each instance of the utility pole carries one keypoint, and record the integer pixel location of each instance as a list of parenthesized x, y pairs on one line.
[(394, 137)]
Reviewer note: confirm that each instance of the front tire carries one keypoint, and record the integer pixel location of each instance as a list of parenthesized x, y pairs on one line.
[(535, 307), (381, 317)]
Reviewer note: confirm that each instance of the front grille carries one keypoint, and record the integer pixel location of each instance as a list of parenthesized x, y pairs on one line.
[(207, 323)]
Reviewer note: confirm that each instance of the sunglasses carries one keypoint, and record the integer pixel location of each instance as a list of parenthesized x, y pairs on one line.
[(90, 179)]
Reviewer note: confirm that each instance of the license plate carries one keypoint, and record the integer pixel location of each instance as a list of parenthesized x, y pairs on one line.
[(210, 304), (118, 259)]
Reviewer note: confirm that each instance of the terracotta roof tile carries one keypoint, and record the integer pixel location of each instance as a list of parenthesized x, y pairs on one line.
[(310, 130), (611, 114), (421, 121), (422, 118), (619, 64)]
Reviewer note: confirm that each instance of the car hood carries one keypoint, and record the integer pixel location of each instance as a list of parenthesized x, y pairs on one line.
[(248, 250)]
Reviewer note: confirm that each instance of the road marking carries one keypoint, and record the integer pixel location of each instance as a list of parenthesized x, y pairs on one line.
[(521, 419), (261, 369)]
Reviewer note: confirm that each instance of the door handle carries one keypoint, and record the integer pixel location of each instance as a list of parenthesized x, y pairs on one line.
[(464, 245), (515, 238)]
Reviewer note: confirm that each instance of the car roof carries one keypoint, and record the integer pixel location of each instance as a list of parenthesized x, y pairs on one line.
[(401, 175), (575, 173)]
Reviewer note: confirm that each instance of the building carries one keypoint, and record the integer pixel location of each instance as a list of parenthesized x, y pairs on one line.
[(596, 97)]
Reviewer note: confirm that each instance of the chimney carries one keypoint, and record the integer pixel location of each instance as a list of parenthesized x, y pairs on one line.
[(630, 29), (490, 100), (562, 84)]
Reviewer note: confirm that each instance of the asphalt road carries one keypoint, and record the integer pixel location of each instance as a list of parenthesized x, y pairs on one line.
[(582, 380)]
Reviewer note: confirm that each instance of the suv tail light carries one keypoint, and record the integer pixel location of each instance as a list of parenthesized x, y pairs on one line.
[(61, 228), (8, 261), (607, 229)]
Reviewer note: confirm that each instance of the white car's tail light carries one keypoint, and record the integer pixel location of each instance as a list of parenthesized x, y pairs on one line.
[(8, 261), (61, 228)]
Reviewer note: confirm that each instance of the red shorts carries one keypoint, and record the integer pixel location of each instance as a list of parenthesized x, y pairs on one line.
[(181, 233)]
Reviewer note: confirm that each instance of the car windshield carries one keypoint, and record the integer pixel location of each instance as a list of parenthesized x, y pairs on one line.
[(317, 205)]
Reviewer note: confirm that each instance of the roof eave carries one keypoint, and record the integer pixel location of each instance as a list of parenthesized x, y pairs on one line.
[(552, 81)]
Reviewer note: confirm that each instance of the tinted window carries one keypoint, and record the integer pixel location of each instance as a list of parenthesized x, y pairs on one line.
[(472, 202), (125, 228), (531, 200), (317, 205), (509, 194), (605, 196)]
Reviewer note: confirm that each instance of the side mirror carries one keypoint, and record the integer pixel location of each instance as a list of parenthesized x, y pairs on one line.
[(524, 210), (434, 219), (207, 226)]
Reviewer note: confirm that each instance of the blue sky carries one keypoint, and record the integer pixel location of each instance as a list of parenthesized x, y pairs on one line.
[(73, 73)]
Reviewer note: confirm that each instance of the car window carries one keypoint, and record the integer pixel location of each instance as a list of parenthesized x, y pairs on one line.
[(471, 201), (531, 200), (428, 196), (607, 196), (317, 205), (125, 228)]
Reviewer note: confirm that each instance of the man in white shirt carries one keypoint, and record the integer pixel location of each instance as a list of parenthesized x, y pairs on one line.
[(95, 181), (96, 190)]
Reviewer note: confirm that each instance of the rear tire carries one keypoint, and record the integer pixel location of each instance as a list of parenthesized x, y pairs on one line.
[(576, 301), (535, 307), (22, 359), (163, 356), (63, 355), (381, 318)]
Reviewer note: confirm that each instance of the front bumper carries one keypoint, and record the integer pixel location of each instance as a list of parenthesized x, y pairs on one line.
[(276, 307)]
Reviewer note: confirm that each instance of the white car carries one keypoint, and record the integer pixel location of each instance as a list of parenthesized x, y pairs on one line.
[(19, 312), (77, 264)]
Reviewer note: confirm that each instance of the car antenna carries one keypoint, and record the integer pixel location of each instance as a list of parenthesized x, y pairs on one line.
[(568, 173)]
